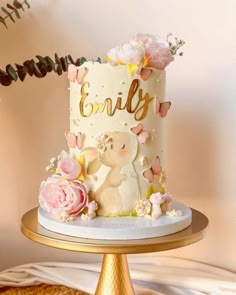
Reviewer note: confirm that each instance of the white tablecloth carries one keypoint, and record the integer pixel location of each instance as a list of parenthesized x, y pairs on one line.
[(151, 275)]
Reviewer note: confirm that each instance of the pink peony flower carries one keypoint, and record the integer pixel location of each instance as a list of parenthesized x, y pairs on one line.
[(148, 40), (68, 168), (160, 57), (156, 49), (60, 196)]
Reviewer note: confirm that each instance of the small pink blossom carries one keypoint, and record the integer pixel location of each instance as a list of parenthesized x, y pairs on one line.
[(59, 196), (158, 198), (69, 168)]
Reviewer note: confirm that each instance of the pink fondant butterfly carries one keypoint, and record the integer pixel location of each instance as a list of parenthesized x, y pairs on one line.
[(145, 74), (161, 107), (141, 133), (73, 140), (155, 169), (75, 74)]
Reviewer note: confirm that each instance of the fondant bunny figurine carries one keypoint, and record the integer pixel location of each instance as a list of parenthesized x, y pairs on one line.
[(119, 191)]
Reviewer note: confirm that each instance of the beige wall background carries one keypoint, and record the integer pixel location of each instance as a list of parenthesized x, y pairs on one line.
[(200, 128)]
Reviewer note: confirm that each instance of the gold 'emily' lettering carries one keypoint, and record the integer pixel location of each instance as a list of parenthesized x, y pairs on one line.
[(82, 100), (144, 106), (139, 108)]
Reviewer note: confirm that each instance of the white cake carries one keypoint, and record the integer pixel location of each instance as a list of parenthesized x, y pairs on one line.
[(115, 166), (115, 179)]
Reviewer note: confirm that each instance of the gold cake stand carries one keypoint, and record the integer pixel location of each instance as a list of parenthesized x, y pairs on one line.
[(114, 277)]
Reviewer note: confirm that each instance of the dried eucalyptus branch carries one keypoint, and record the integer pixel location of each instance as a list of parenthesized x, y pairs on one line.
[(13, 10), (38, 68)]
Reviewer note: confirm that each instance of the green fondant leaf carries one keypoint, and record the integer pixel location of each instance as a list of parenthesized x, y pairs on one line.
[(10, 6), (58, 69), (82, 60), (50, 62), (16, 13), (7, 13), (22, 72), (29, 66), (43, 69), (2, 73), (17, 4), (78, 62), (11, 71), (41, 59), (37, 72), (63, 64), (57, 59), (2, 20), (27, 3), (5, 80), (70, 59)]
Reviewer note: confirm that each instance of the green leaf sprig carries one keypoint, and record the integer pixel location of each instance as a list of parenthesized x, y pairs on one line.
[(38, 68), (12, 10)]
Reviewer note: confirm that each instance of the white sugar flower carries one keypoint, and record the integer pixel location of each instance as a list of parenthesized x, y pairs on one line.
[(104, 142), (131, 54), (143, 207), (174, 213), (112, 55)]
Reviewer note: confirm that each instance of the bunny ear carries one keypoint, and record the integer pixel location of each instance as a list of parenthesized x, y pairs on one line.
[(72, 72), (71, 139), (156, 105), (80, 140), (90, 154), (81, 74), (148, 175), (145, 73), (164, 108), (92, 157), (156, 166), (136, 130)]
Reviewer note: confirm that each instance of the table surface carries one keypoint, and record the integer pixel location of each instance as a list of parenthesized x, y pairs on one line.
[(34, 231)]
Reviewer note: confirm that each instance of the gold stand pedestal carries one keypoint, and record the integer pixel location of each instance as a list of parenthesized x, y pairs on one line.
[(114, 277)]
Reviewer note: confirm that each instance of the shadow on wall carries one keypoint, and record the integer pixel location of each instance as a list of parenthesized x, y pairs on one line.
[(192, 151)]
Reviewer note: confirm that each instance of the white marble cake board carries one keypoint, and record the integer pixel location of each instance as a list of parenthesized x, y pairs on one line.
[(119, 228)]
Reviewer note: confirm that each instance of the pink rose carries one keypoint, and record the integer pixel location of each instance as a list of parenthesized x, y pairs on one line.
[(69, 168), (60, 196)]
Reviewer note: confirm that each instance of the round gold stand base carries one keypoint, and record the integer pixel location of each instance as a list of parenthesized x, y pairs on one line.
[(114, 277)]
